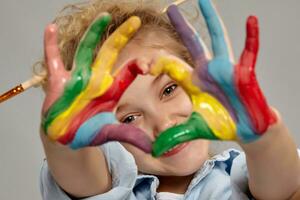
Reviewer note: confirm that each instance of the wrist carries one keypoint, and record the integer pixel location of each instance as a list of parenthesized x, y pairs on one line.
[(272, 139)]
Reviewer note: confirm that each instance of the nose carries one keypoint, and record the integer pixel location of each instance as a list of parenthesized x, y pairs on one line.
[(163, 123)]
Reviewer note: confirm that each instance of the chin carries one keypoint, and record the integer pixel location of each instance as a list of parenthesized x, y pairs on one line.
[(185, 162)]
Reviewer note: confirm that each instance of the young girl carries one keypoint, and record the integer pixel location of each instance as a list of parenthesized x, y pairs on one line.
[(269, 168)]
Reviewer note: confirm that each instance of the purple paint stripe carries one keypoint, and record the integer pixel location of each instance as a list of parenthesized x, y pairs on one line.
[(123, 133), (188, 35), (209, 85), (191, 40)]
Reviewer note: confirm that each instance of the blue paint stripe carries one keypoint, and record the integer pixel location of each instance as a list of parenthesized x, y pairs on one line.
[(89, 129), (222, 72), (219, 45)]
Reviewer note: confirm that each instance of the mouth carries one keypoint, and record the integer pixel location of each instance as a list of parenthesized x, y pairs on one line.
[(175, 149), (174, 139)]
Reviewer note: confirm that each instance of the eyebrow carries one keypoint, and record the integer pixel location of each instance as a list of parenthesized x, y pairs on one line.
[(121, 107), (157, 79)]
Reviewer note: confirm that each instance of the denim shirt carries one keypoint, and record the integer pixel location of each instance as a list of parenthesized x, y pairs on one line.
[(224, 176)]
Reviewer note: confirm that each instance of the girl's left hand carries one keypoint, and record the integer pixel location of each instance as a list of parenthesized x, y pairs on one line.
[(228, 102), (78, 108)]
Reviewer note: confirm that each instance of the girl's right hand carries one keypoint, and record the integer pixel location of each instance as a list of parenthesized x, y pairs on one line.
[(77, 110), (227, 100)]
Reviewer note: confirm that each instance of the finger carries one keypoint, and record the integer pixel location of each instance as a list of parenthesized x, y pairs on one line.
[(84, 55), (88, 130), (105, 103), (260, 114), (57, 75), (101, 69), (200, 55), (251, 95), (123, 133), (196, 127), (54, 62), (189, 36), (89, 41), (82, 71), (114, 44), (249, 55), (178, 71), (220, 42), (100, 129), (123, 80), (214, 113), (73, 123)]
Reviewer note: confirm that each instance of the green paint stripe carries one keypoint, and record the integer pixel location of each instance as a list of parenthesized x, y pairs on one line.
[(82, 72), (195, 128)]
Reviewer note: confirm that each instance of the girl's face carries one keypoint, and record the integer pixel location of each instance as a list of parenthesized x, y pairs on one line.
[(154, 104)]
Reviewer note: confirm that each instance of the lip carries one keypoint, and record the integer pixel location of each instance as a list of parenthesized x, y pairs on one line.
[(175, 150)]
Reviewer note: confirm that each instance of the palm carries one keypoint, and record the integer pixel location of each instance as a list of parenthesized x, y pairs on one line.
[(230, 104), (78, 106)]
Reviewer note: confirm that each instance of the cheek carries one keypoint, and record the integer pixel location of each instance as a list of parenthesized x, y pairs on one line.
[(145, 162), (137, 153), (133, 150), (184, 163), (190, 159), (183, 102)]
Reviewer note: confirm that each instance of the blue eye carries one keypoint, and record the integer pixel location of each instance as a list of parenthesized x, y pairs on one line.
[(169, 90)]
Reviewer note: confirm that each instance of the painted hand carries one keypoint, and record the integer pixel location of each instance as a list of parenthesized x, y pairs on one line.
[(78, 107), (228, 102)]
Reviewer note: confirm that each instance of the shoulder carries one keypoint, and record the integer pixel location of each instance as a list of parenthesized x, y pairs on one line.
[(121, 164), (233, 162), (228, 159), (224, 176)]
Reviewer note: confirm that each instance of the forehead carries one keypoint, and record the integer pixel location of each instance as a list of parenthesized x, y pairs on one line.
[(145, 44)]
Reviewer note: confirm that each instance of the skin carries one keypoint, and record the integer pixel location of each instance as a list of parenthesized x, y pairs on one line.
[(66, 165), (158, 111), (155, 113), (272, 155)]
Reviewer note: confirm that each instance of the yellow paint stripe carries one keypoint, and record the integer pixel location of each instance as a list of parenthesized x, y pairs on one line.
[(214, 113), (101, 78)]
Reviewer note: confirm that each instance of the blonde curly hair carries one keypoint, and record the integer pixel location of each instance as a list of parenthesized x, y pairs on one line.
[(74, 19)]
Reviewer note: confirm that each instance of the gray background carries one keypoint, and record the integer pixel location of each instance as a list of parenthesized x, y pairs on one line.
[(21, 44)]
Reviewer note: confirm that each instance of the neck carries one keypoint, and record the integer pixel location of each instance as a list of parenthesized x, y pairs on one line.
[(174, 184)]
